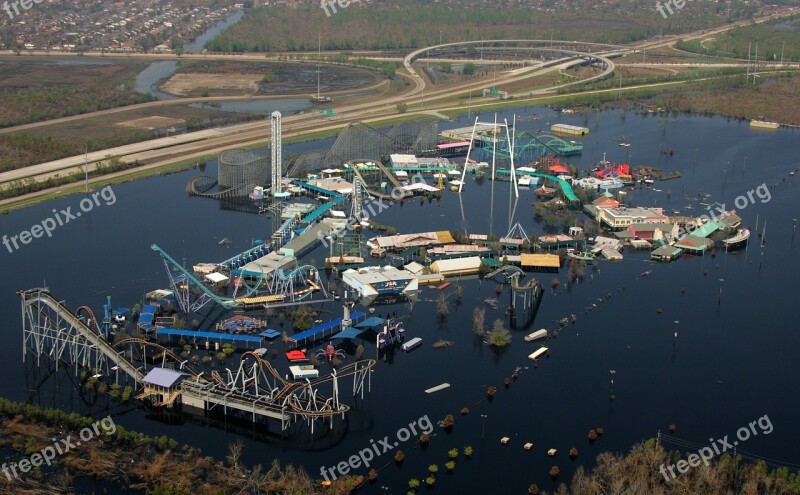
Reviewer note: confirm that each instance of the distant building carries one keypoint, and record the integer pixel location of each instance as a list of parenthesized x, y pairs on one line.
[(602, 242), (569, 130), (621, 217), (665, 253), (606, 202), (163, 385), (337, 184), (405, 241), (457, 266), (540, 262), (376, 283), (399, 160), (654, 232)]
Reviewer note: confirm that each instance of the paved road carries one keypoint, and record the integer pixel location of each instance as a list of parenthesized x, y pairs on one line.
[(196, 144)]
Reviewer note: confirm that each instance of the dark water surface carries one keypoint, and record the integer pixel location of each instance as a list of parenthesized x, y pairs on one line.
[(732, 362)]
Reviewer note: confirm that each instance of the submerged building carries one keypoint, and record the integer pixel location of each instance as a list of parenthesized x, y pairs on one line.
[(381, 284)]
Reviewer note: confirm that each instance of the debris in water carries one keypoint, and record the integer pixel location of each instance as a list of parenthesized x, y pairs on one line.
[(441, 343)]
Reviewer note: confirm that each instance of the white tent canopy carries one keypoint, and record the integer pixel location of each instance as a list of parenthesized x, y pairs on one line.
[(216, 277)]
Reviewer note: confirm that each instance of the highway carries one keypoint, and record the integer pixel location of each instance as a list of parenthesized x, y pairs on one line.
[(194, 145)]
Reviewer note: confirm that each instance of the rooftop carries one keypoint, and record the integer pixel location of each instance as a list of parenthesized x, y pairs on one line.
[(163, 377), (635, 212), (652, 227), (540, 260), (457, 264), (375, 274)]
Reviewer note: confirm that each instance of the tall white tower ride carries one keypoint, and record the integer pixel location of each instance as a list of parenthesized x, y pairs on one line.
[(275, 149)]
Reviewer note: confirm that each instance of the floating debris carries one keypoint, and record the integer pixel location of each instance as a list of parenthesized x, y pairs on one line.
[(441, 343), (672, 428), (492, 302), (505, 440), (573, 453), (528, 446), (644, 274), (599, 431), (554, 472), (490, 392), (552, 452), (448, 421), (437, 388), (464, 411), (592, 435)]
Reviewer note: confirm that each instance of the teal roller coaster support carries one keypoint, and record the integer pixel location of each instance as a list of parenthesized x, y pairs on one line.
[(182, 286)]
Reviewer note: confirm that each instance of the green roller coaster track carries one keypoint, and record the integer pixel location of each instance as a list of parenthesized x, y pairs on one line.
[(529, 146)]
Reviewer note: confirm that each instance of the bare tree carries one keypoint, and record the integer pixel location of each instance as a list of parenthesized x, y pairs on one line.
[(235, 453), (478, 321), (441, 307)]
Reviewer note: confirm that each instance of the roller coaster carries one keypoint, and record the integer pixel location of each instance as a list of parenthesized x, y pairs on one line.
[(370, 177), (359, 139), (292, 284), (524, 299), (52, 332), (529, 147), (202, 186)]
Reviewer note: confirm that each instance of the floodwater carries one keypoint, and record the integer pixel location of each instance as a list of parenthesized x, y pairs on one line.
[(148, 80), (731, 363)]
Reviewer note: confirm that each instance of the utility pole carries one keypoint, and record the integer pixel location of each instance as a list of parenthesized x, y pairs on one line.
[(86, 168), (755, 64), (747, 77), (644, 47), (782, 47)]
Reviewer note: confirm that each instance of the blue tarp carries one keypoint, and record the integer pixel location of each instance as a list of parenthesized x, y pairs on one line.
[(270, 333), (146, 318), (321, 329), (371, 322), (349, 333)]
